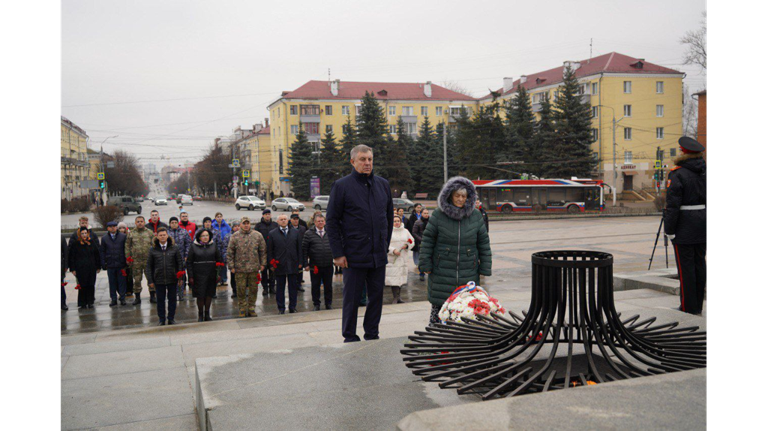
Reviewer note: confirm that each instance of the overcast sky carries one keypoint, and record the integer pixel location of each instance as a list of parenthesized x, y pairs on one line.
[(170, 76)]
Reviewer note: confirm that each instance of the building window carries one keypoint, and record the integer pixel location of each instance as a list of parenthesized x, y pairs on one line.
[(424, 111), (312, 128), (594, 112), (628, 87), (672, 152), (392, 128), (659, 133), (594, 135), (627, 156), (410, 128), (439, 111), (328, 128), (328, 110), (407, 110), (294, 130), (345, 110), (659, 110), (627, 133), (392, 111), (294, 109), (627, 110), (357, 109), (594, 88), (659, 87), (278, 112), (310, 109)]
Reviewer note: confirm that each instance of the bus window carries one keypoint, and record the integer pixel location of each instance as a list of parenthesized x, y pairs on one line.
[(574, 194), (522, 196), (490, 198), (556, 197), (505, 195)]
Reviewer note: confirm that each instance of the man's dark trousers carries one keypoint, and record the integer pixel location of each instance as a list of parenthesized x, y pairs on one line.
[(324, 275), (355, 280), (117, 283), (691, 260), (267, 279), (233, 283), (293, 291), (161, 290)]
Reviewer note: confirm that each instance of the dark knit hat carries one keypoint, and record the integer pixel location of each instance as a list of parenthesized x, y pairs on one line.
[(207, 219), (267, 211), (173, 219)]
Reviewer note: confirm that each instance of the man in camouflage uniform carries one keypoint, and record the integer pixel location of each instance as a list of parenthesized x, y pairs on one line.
[(246, 257), (182, 240), (137, 248)]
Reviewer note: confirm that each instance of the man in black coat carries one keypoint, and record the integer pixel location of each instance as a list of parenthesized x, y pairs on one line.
[(415, 216), (164, 272), (297, 213), (318, 260), (264, 227), (112, 250), (295, 223), (685, 223), (64, 264), (360, 222), (284, 255)]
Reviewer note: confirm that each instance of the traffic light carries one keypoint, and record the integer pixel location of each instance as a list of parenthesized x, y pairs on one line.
[(101, 184), (245, 182)]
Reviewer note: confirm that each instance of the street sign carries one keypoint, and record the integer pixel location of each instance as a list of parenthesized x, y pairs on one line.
[(100, 176), (235, 178), (236, 163), (246, 173)]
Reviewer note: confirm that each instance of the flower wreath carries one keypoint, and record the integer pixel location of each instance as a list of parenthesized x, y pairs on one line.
[(469, 301)]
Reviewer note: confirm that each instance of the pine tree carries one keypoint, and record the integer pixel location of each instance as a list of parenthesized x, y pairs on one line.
[(432, 167), (572, 131), (371, 125), (414, 158), (479, 141), (348, 142), (520, 125), (544, 139), (396, 165), (329, 163), (300, 165)]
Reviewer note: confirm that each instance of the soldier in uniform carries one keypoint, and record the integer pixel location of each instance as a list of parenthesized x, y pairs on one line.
[(685, 223), (137, 248), (246, 258)]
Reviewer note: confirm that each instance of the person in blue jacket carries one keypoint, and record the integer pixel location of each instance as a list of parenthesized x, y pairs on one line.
[(220, 225), (112, 250), (359, 223)]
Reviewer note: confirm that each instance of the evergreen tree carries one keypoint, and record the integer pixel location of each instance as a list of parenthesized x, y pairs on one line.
[(520, 125), (413, 156), (453, 165), (544, 139), (371, 123), (348, 142), (431, 180), (395, 163), (479, 139), (572, 131), (329, 163), (300, 165)]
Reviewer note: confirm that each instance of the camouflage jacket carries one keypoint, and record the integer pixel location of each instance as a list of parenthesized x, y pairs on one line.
[(182, 240), (138, 244), (246, 252)]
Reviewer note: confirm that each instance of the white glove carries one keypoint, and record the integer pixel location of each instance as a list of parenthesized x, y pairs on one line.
[(671, 237)]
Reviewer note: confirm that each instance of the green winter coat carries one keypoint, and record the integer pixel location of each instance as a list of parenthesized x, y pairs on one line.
[(455, 246)]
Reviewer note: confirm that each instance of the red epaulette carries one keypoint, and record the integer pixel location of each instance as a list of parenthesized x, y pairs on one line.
[(675, 168)]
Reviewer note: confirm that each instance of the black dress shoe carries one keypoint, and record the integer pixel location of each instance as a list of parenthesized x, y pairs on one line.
[(328, 306), (64, 307), (113, 303), (317, 308), (301, 289), (171, 322), (162, 323), (352, 340), (281, 312), (292, 310), (122, 301), (367, 338)]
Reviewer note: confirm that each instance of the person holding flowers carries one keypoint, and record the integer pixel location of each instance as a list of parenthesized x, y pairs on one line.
[(397, 267)]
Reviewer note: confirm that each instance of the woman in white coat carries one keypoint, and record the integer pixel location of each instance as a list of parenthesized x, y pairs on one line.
[(397, 258)]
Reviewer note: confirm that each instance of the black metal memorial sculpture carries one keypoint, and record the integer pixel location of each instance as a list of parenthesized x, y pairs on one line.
[(571, 310)]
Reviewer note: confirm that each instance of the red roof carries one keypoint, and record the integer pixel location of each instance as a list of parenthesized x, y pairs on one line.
[(611, 63), (380, 90), (263, 131)]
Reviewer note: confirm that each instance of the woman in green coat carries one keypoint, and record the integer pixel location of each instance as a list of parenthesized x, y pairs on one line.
[(455, 248)]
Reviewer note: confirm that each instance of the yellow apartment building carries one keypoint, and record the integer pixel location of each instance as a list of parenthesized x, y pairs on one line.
[(321, 106), (645, 99), (75, 166)]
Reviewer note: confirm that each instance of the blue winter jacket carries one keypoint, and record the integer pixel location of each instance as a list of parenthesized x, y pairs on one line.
[(359, 220), (223, 228), (113, 251)]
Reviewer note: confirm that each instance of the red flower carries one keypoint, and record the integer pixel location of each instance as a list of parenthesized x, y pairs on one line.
[(410, 241), (123, 273), (77, 287), (315, 270), (179, 275), (219, 263), (64, 284), (274, 263), (129, 260), (258, 278)]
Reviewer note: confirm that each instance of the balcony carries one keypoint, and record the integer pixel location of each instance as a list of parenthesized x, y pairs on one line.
[(310, 118), (586, 99), (309, 113), (409, 119), (313, 137), (536, 107)]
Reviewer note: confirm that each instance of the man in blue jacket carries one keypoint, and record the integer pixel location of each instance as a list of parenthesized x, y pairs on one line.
[(112, 250), (219, 224), (359, 224)]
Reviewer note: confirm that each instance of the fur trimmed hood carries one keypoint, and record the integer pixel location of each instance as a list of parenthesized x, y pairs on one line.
[(691, 161), (444, 199), (156, 242)]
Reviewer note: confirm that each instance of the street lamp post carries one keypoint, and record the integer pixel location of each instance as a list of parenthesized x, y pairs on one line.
[(615, 168), (101, 164)]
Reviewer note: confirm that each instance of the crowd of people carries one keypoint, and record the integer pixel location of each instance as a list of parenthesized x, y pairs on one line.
[(364, 238)]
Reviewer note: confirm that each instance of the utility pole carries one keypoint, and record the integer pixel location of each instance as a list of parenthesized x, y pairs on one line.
[(445, 153), (615, 168)]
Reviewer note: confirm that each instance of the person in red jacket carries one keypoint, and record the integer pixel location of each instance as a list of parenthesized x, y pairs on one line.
[(154, 222), (187, 225)]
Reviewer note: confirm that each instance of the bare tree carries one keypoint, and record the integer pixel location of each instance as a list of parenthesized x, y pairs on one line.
[(455, 86), (124, 178), (690, 114), (697, 44)]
